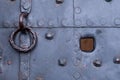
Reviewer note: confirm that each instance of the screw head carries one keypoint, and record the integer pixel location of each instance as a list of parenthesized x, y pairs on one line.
[(97, 63), (78, 22), (116, 60), (62, 62)]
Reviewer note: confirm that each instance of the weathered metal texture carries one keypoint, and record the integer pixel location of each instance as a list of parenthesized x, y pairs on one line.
[(50, 14), (107, 48), (26, 6), (59, 26), (24, 58), (9, 13), (70, 13), (102, 13), (53, 59), (9, 58), (62, 59)]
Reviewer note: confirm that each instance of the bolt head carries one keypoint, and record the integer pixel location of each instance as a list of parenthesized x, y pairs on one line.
[(49, 35), (117, 21), (97, 63), (116, 60), (62, 62)]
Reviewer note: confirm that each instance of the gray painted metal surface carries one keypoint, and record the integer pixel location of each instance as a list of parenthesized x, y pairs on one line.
[(59, 27)]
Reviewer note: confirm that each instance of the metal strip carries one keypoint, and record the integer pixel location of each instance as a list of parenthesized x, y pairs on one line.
[(24, 58), (26, 6)]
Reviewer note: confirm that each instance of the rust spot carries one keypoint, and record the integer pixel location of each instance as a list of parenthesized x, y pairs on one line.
[(87, 44)]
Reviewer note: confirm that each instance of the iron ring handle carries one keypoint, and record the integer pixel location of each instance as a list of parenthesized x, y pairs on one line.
[(13, 44)]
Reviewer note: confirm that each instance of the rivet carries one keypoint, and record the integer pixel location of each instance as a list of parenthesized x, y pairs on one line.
[(102, 21), (49, 35), (76, 75), (77, 22), (89, 22), (64, 22), (97, 63), (116, 60), (77, 10), (40, 23), (51, 23), (117, 21), (77, 61), (62, 62)]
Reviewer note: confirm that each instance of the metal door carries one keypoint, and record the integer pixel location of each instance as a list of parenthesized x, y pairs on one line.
[(59, 40)]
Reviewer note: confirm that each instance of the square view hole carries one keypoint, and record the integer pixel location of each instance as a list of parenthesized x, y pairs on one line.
[(87, 44)]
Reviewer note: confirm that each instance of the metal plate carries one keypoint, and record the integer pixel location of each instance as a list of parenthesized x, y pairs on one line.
[(44, 59), (61, 57), (9, 13), (71, 13), (107, 47), (94, 13), (59, 27), (9, 61), (50, 14)]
